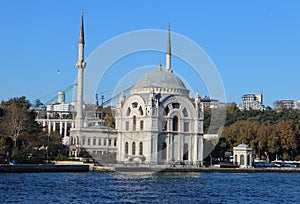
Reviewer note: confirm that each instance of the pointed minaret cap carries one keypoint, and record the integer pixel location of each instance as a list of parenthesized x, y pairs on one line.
[(81, 37)]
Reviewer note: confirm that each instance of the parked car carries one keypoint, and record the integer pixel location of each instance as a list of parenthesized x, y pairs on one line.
[(285, 164)]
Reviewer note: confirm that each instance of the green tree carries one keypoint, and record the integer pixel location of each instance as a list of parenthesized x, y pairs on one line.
[(287, 136)]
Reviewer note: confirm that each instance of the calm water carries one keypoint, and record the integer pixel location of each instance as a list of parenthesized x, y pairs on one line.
[(158, 188)]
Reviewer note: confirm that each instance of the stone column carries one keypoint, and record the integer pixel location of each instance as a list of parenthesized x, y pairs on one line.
[(154, 151), (168, 149), (181, 148), (201, 150), (60, 127), (171, 147), (66, 129), (195, 149), (49, 127)]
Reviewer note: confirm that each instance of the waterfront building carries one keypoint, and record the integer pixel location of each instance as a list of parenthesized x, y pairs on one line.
[(157, 123), (252, 101), (242, 155)]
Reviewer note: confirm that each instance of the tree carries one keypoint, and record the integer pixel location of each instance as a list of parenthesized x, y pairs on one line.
[(16, 116), (287, 136)]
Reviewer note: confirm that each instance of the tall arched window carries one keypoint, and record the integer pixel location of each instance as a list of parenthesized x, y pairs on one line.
[(164, 150), (141, 125), (141, 110), (141, 149), (175, 123), (126, 149), (242, 159), (133, 148), (185, 152), (134, 123)]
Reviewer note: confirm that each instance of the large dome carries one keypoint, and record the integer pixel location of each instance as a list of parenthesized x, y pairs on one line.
[(160, 79)]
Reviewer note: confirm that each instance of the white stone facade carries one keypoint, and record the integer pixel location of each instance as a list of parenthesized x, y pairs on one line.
[(242, 155), (159, 123)]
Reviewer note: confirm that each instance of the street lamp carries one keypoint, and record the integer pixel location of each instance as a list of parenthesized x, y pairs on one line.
[(48, 149)]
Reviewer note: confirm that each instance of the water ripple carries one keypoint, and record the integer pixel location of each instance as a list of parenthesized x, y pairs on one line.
[(158, 188)]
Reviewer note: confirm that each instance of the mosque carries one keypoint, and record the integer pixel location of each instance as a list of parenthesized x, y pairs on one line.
[(158, 123)]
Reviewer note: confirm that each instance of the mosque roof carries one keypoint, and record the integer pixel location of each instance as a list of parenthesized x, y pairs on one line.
[(160, 79)]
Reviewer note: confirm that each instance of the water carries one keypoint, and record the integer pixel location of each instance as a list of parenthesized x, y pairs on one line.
[(95, 187)]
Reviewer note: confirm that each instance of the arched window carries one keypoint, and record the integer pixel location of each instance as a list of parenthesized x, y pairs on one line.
[(167, 110), (141, 110), (164, 150), (141, 125), (185, 152), (141, 149), (133, 148), (134, 105), (185, 113), (175, 105), (242, 159), (134, 123), (128, 111), (175, 123), (126, 149)]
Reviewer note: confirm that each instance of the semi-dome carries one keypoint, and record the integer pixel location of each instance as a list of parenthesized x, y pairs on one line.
[(160, 79)]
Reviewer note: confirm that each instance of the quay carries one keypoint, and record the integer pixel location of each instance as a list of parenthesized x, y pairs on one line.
[(158, 168), (30, 168), (85, 167)]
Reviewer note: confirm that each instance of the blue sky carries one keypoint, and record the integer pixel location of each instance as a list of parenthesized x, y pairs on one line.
[(254, 45)]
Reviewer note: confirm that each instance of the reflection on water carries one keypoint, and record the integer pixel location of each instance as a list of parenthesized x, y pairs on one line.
[(153, 188)]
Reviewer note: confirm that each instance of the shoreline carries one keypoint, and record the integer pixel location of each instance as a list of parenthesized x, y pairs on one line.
[(39, 168)]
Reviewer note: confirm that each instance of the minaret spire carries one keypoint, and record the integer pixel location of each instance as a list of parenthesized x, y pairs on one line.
[(80, 64), (81, 35), (168, 52)]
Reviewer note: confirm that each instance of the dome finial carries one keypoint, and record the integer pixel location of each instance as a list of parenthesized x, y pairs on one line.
[(159, 66)]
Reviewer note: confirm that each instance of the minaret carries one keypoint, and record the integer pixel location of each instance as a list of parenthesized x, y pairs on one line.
[(168, 53), (80, 64)]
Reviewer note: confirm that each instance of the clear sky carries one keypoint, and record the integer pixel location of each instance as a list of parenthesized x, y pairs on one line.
[(254, 44)]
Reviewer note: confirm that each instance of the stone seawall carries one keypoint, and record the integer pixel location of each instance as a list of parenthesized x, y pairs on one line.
[(27, 168)]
